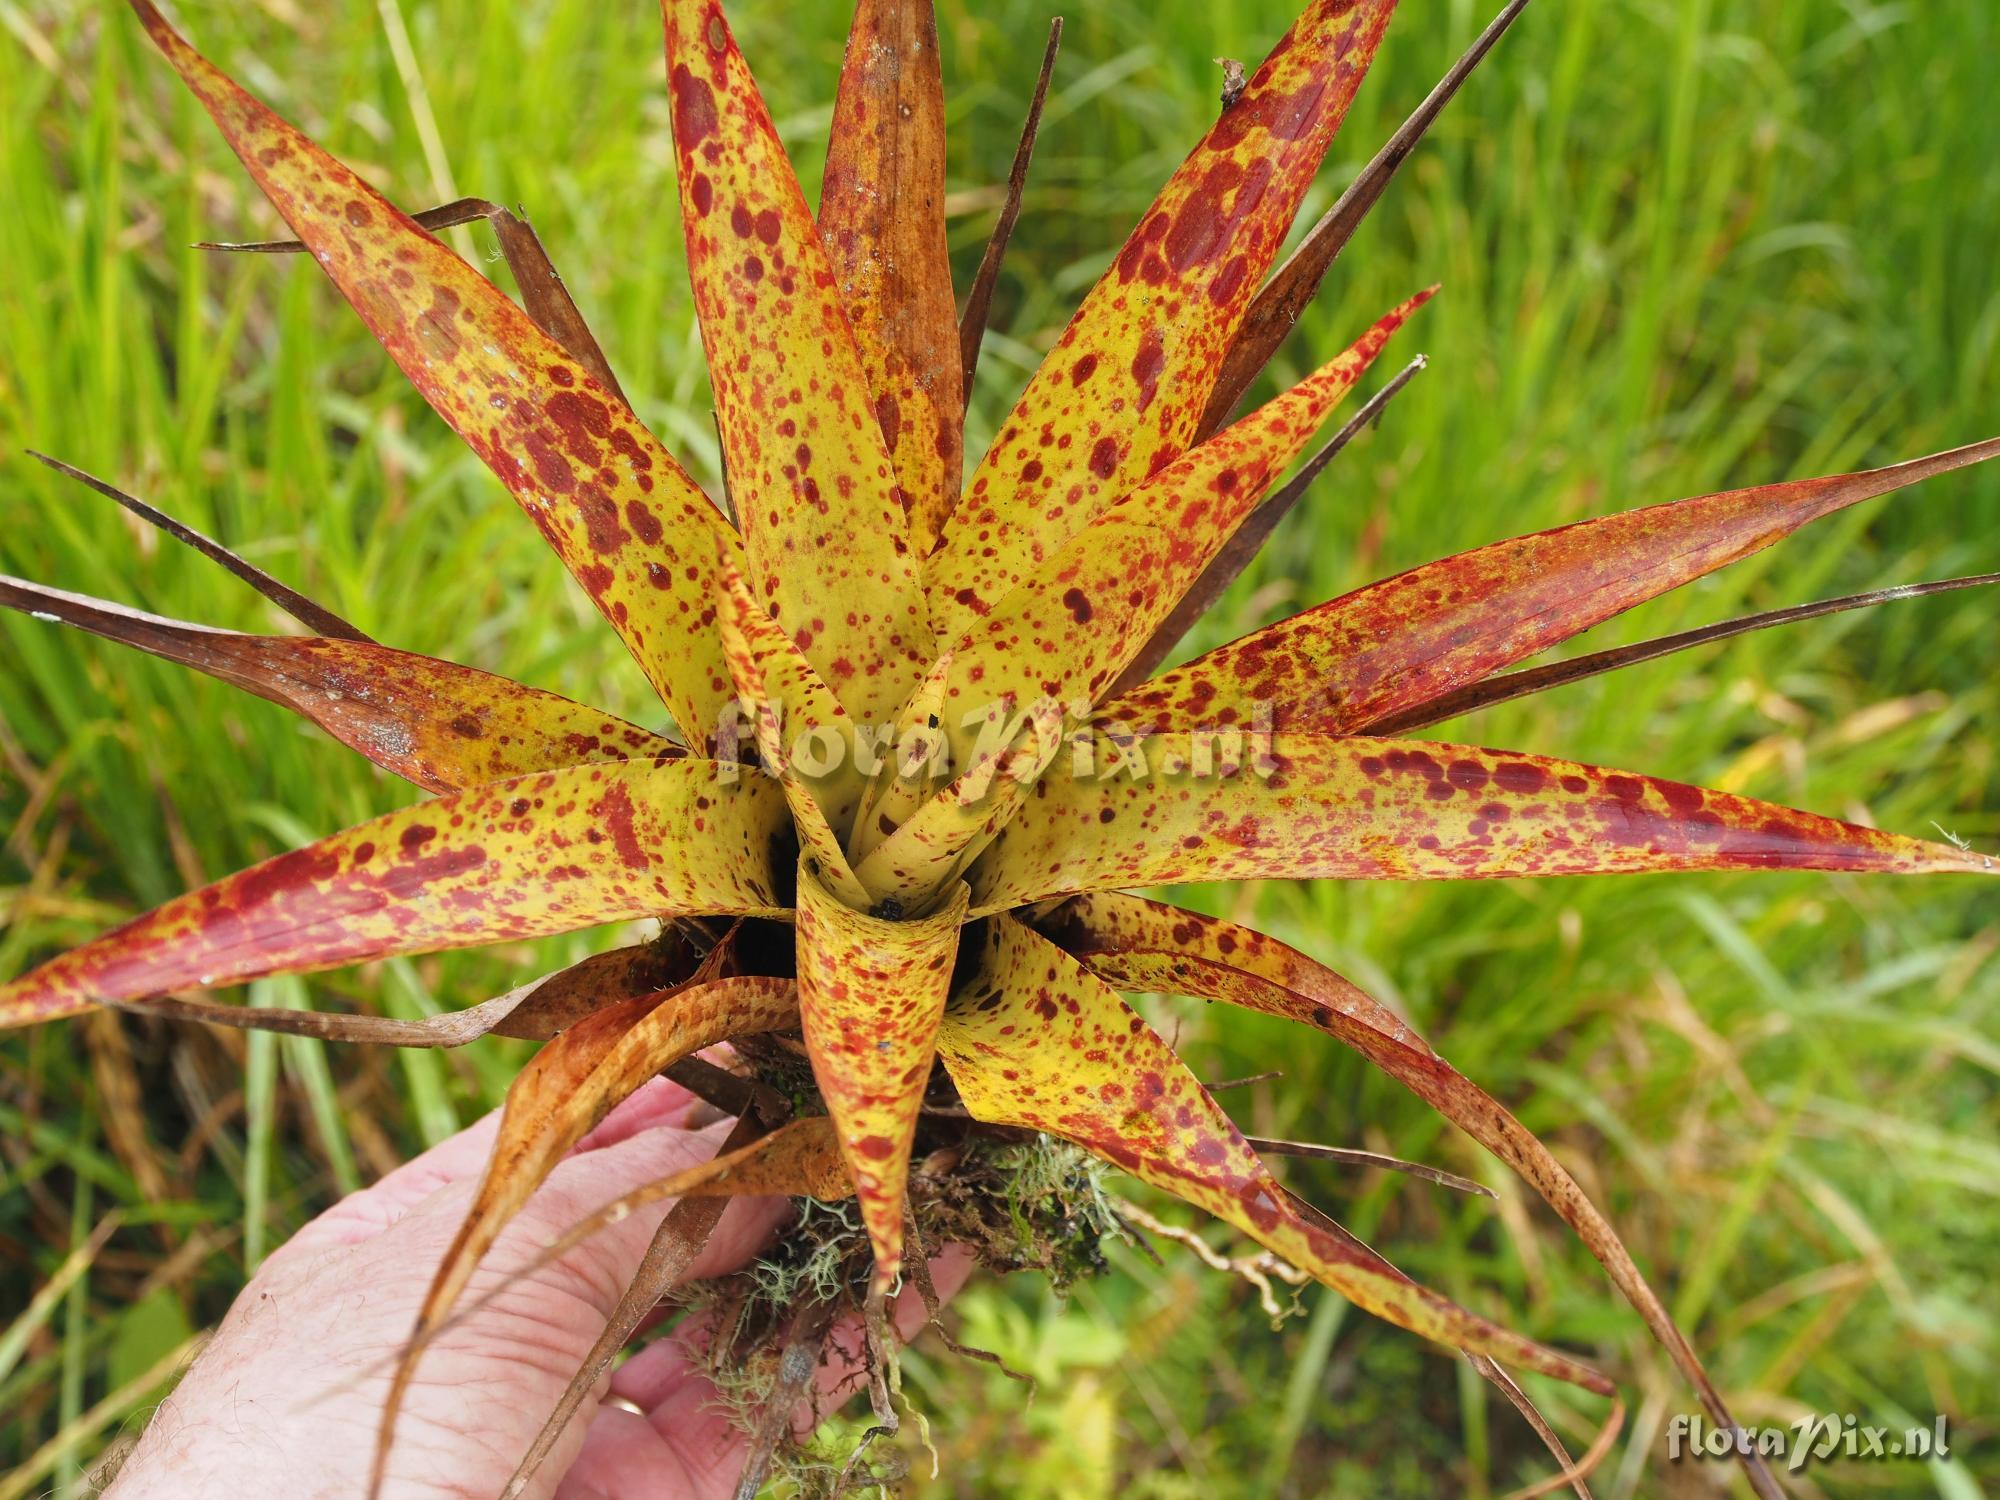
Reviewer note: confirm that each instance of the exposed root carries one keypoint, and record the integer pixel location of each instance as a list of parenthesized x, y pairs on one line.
[(1257, 1269)]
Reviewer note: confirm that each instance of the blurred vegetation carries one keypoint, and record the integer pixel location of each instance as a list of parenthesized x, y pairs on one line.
[(1686, 244)]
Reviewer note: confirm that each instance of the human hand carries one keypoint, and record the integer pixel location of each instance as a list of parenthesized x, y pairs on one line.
[(286, 1398)]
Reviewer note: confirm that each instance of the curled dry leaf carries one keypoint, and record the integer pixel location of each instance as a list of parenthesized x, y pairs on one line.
[(565, 1091)]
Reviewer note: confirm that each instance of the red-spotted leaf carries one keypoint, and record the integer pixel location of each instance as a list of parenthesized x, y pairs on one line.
[(911, 765), (823, 525), (437, 724), (1036, 1041), (638, 534), (1137, 945), (560, 1097), (1376, 653), (870, 994), (1122, 393), (789, 705), (1507, 686), (1066, 632), (1308, 807), (525, 858), (881, 213), (1281, 300)]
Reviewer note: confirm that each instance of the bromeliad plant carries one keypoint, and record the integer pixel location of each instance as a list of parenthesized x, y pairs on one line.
[(917, 753)]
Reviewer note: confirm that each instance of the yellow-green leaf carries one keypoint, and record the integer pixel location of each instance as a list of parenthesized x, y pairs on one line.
[(786, 699)]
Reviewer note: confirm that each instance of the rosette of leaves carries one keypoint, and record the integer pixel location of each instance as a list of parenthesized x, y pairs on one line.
[(915, 756)]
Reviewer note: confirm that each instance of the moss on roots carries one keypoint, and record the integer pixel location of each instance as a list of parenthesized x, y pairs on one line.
[(1018, 1200)]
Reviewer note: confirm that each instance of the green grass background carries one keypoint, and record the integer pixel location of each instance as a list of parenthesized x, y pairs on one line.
[(1686, 245)]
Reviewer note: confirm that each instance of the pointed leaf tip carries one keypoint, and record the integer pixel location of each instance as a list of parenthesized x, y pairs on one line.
[(1121, 394)]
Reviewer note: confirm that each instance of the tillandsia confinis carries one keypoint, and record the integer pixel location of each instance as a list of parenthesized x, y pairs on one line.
[(917, 753)]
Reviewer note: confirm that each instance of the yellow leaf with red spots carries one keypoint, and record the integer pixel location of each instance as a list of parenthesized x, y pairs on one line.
[(563, 1093), (827, 542), (870, 994), (1065, 633), (525, 858), (1311, 807), (1140, 945), (1035, 1040), (637, 533), (1375, 653), (1121, 394)]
